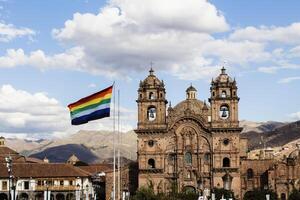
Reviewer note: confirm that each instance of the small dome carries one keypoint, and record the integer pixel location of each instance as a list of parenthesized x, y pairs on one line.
[(223, 77), (195, 105), (151, 80), (191, 89)]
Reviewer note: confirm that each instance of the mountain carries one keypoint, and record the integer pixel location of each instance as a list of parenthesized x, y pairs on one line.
[(99, 143), (259, 127), (61, 153), (275, 135)]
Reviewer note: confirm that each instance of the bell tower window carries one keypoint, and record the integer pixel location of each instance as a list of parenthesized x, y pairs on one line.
[(226, 162), (151, 95), (224, 112), (151, 163), (151, 113), (223, 94)]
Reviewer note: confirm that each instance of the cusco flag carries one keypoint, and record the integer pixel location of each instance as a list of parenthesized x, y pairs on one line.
[(95, 106)]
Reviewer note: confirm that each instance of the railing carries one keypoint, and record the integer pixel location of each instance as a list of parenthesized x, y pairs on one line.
[(55, 187)]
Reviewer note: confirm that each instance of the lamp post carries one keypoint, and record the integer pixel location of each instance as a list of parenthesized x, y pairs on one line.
[(87, 192), (8, 161)]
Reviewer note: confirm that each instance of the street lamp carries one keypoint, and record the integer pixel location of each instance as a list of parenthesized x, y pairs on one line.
[(8, 161), (87, 191)]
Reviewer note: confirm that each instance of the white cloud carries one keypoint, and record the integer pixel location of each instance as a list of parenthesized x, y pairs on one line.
[(9, 32), (288, 35), (69, 59), (289, 79), (37, 115), (126, 35), (295, 116)]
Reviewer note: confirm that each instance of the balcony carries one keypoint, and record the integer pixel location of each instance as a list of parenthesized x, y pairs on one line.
[(56, 187)]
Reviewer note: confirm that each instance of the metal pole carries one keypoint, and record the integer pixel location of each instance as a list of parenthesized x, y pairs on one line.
[(114, 148), (119, 164)]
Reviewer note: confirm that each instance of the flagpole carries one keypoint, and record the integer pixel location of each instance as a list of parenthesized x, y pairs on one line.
[(119, 167), (114, 148)]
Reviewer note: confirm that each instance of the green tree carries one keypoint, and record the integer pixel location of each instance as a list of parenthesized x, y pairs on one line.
[(259, 195), (295, 195), (220, 192)]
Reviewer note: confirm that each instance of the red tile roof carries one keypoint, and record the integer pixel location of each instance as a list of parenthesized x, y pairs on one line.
[(42, 170)]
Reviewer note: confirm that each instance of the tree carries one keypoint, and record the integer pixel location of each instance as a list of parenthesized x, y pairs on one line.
[(220, 192), (295, 195), (259, 195)]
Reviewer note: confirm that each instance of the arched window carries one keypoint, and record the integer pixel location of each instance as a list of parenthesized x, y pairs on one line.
[(250, 173), (141, 96), (151, 95), (226, 162), (151, 163), (206, 157), (188, 174), (151, 113), (224, 112), (188, 158), (223, 95)]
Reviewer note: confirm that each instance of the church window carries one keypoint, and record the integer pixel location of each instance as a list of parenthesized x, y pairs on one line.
[(151, 163), (213, 94), (151, 113), (161, 95), (188, 158), (207, 157), (250, 173), (226, 141), (188, 175), (151, 95), (151, 143), (224, 112), (234, 93), (141, 96), (226, 162), (223, 95)]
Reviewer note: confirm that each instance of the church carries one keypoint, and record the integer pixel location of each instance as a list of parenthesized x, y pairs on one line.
[(196, 145)]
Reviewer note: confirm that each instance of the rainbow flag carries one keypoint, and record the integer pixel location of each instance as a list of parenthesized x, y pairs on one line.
[(95, 106)]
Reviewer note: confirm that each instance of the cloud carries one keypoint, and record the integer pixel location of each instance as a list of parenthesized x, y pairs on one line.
[(38, 115), (287, 35), (124, 36), (70, 58), (9, 32), (289, 79), (295, 116)]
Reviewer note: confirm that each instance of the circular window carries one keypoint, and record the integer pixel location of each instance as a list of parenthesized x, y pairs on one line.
[(151, 143), (226, 141)]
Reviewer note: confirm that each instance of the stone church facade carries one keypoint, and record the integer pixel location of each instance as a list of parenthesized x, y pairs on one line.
[(197, 145)]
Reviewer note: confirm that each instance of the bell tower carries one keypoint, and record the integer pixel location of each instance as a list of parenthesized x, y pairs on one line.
[(151, 103), (224, 101)]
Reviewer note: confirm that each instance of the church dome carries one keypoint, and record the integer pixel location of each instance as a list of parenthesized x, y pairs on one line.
[(151, 81), (191, 89), (223, 77), (196, 106)]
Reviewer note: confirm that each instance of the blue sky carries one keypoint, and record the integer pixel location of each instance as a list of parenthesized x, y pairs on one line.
[(54, 52)]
